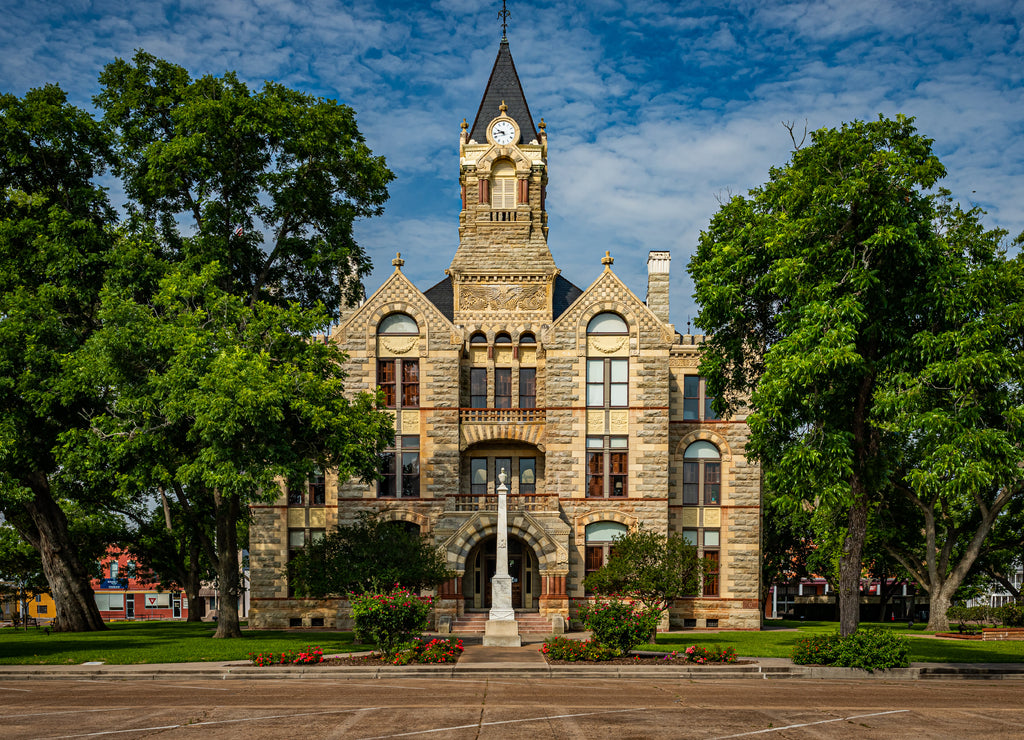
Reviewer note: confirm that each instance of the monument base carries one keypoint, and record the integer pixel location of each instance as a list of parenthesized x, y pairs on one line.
[(502, 633)]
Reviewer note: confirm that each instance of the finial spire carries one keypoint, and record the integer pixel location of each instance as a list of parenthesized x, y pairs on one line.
[(607, 260), (503, 15), (398, 261)]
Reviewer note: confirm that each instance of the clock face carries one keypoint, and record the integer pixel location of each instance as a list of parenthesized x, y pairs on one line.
[(503, 132)]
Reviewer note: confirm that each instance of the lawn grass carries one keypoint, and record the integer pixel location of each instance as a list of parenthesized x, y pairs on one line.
[(780, 637), (157, 642)]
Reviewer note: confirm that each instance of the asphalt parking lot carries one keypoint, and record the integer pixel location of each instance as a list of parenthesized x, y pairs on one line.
[(533, 708)]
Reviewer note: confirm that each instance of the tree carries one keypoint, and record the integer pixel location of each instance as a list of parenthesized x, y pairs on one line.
[(222, 390), (371, 555), (651, 568), (959, 410), (55, 238), (787, 545), (811, 289)]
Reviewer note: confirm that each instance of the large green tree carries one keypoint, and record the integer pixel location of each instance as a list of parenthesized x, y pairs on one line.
[(55, 238), (222, 389), (958, 408), (811, 288)]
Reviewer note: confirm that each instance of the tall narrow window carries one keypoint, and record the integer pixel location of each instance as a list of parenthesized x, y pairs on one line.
[(527, 387), (711, 552), (502, 387), (386, 381), (607, 467), (400, 469), (410, 466), (478, 476), (317, 488), (696, 401), (503, 192), (478, 387), (410, 384), (600, 543), (527, 475), (702, 474)]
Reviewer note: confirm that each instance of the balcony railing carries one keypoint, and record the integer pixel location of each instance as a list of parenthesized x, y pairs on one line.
[(501, 416), (532, 502)]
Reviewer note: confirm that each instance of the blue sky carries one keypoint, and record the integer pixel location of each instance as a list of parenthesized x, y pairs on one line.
[(655, 110)]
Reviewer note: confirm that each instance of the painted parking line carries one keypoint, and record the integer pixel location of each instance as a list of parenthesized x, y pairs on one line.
[(811, 724), (215, 722), (544, 718), (4, 688), (69, 711), (182, 686)]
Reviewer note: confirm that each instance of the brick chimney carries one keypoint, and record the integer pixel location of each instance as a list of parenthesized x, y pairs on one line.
[(657, 283)]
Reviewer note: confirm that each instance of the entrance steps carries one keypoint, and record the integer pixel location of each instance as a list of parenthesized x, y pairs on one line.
[(530, 623)]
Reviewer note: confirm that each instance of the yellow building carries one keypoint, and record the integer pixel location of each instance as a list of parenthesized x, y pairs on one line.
[(587, 397)]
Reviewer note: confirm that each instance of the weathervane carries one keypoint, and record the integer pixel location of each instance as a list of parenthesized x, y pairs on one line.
[(503, 15)]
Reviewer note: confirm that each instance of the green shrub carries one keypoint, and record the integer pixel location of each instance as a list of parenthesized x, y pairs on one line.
[(872, 649), (958, 613), (819, 649), (869, 648), (562, 648), (391, 619), (619, 624), (1010, 615)]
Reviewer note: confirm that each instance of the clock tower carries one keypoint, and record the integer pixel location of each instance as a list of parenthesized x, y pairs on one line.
[(503, 262)]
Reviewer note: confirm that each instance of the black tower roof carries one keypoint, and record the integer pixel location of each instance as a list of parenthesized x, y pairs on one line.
[(504, 86)]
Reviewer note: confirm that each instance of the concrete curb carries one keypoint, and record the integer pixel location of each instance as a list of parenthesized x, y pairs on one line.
[(757, 670)]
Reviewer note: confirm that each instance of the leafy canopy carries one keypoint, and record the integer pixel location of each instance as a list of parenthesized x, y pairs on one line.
[(372, 555)]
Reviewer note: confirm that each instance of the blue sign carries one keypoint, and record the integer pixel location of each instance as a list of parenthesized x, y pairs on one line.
[(111, 583)]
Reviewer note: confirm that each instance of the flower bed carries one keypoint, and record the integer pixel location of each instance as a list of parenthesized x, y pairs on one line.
[(415, 651), (563, 651)]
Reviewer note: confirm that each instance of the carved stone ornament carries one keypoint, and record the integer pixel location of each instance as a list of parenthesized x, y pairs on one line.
[(608, 345), (399, 346), (503, 298)]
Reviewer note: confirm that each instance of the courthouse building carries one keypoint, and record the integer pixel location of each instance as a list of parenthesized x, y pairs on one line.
[(587, 397)]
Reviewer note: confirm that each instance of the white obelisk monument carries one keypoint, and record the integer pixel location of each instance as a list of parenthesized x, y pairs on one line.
[(501, 629)]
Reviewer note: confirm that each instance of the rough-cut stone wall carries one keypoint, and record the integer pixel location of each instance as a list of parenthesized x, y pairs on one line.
[(657, 438)]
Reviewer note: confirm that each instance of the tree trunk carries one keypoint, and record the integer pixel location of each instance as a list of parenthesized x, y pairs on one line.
[(938, 603), (47, 530), (850, 567), (227, 565)]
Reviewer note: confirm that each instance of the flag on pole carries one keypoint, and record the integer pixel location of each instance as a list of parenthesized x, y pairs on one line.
[(238, 230)]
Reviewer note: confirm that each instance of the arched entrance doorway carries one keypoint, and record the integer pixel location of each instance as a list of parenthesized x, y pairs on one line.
[(522, 566)]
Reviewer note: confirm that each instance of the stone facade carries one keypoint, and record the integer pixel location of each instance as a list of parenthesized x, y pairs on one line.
[(589, 397)]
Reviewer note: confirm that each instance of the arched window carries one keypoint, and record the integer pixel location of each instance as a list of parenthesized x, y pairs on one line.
[(394, 374), (702, 474), (527, 338), (478, 338), (503, 338), (398, 324), (607, 323), (607, 388), (600, 542), (503, 186), (399, 379)]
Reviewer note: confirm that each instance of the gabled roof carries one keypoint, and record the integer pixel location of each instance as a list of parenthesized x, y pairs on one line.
[(503, 85)]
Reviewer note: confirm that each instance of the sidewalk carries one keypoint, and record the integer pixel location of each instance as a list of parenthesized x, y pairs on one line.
[(480, 661)]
